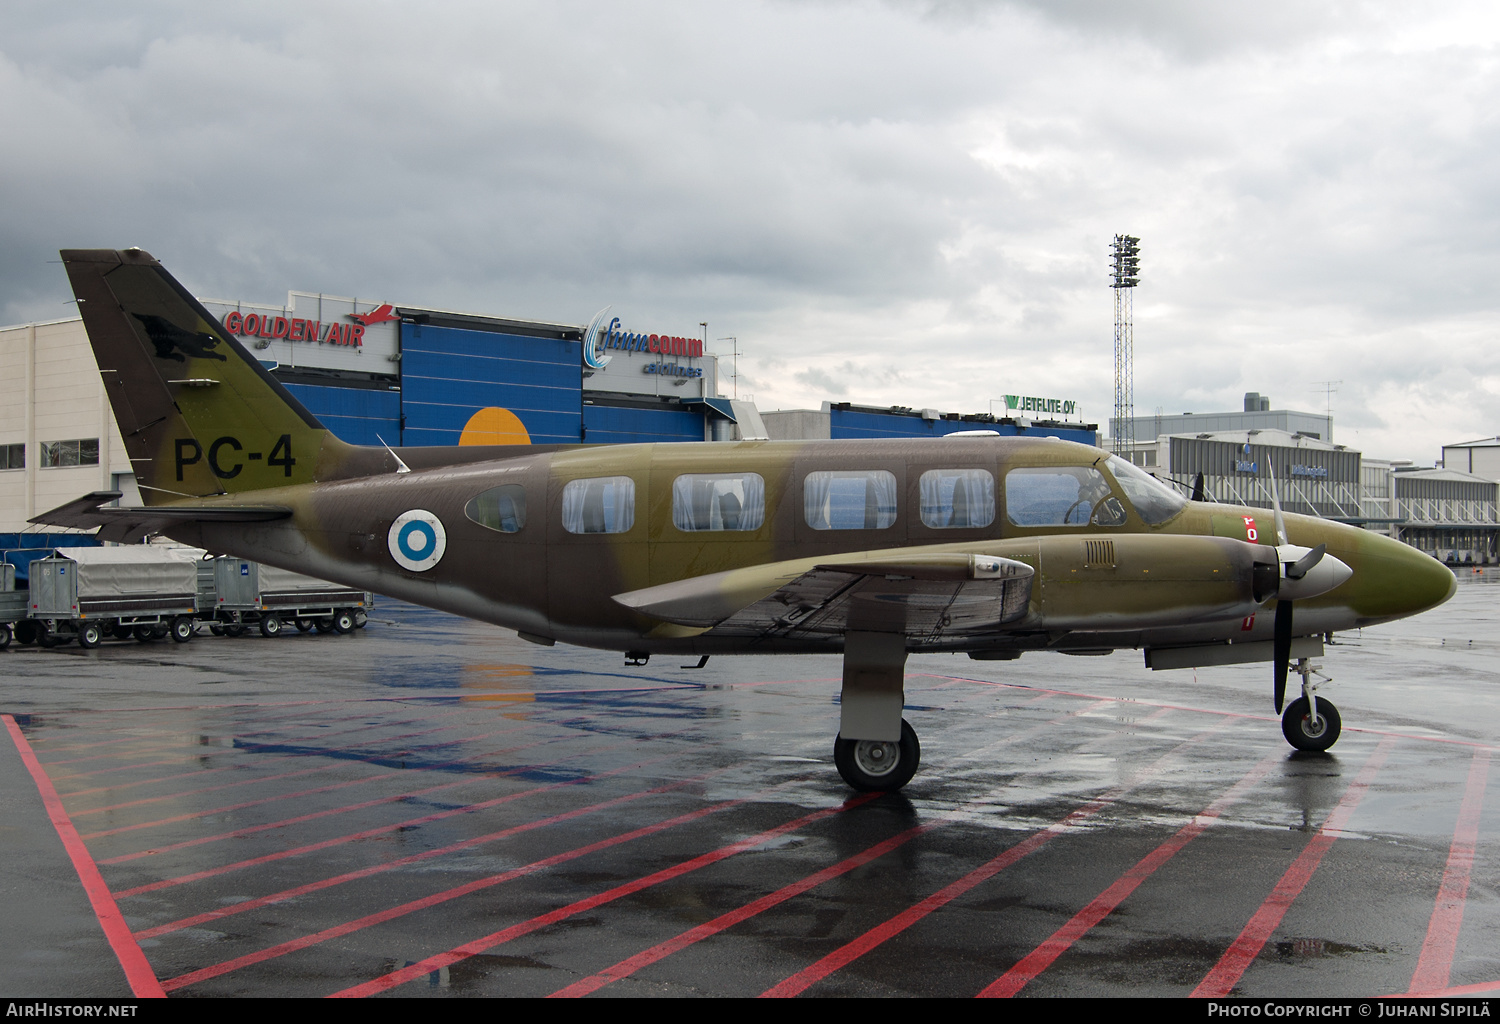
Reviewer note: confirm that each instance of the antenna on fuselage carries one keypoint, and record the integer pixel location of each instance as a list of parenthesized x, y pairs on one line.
[(401, 467)]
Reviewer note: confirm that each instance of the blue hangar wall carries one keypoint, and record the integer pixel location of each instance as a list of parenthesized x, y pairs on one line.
[(845, 421), (449, 373)]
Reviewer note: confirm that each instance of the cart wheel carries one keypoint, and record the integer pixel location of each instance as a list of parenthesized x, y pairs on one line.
[(270, 625), (234, 629), (120, 632), (324, 625), (217, 628), (343, 621), (91, 635), (142, 633), (160, 630), (304, 625), (182, 628), (4, 635), (26, 632), (45, 637), (360, 618)]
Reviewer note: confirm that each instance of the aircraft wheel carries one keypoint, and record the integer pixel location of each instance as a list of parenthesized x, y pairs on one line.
[(26, 632), (304, 625), (1296, 725), (343, 621), (91, 635), (182, 628), (882, 767), (270, 625)]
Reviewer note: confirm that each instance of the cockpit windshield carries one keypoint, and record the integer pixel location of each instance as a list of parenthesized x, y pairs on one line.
[(1154, 501)]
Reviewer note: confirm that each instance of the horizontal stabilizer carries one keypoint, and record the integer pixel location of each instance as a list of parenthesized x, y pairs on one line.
[(125, 525)]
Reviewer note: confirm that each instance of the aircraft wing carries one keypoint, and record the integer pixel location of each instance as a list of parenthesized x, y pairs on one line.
[(126, 525), (925, 596)]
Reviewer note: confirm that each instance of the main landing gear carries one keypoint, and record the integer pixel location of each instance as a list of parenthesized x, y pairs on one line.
[(1309, 723), (876, 749)]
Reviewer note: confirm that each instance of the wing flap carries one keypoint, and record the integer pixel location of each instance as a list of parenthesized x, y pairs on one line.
[(925, 596), (130, 524)]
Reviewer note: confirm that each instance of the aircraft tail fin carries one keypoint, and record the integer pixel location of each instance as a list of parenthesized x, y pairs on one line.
[(199, 414)]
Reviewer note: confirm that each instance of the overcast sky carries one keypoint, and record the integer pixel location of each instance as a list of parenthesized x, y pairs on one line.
[(887, 203)]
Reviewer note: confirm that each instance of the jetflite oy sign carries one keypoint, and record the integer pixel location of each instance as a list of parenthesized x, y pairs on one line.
[(295, 328), (1044, 406), (599, 338)]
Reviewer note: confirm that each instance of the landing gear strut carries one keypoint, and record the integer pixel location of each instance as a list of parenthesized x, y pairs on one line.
[(1310, 723), (876, 749)]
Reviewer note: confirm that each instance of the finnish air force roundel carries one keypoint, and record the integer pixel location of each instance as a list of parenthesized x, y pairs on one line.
[(417, 540)]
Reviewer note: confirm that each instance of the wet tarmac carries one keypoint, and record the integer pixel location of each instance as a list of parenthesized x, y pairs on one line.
[(432, 807)]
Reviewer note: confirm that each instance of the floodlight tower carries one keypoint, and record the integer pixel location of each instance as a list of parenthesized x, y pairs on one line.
[(1125, 253)]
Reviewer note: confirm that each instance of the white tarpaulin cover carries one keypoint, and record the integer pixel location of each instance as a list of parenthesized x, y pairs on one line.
[(133, 570), (283, 581)]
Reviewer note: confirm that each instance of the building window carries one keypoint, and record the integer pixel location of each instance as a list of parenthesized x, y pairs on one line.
[(718, 501), (13, 456), (957, 498), (849, 499), (500, 508), (603, 504), (84, 452), (1055, 496)]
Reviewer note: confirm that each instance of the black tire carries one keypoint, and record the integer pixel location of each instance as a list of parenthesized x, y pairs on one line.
[(216, 628), (161, 630), (1296, 725), (324, 625), (143, 634), (26, 632), (360, 619), (343, 621), (120, 632), (4, 635), (270, 626), (234, 629), (869, 766), (182, 629), (45, 637), (90, 635), (304, 625)]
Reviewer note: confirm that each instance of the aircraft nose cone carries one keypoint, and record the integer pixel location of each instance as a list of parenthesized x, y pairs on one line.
[(1395, 579)]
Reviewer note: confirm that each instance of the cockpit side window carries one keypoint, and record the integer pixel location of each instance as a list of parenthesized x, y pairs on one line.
[(1060, 496), (604, 504), (1154, 501), (954, 499), (502, 508)]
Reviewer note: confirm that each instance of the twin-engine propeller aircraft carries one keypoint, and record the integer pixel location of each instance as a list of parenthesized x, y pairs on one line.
[(873, 548)]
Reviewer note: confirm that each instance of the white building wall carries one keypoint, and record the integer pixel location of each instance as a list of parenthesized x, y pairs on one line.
[(51, 391)]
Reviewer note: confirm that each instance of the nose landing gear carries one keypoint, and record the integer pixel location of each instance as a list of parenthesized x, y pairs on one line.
[(1310, 723)]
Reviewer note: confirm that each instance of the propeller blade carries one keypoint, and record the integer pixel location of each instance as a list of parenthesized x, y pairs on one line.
[(1276, 507), (1198, 487), (1302, 566), (1282, 649)]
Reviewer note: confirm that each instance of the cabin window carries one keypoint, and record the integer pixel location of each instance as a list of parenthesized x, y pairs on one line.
[(1059, 496), (855, 499), (604, 504), (718, 501), (500, 508), (953, 499)]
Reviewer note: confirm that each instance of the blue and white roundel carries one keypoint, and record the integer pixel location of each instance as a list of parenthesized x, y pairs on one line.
[(417, 540)]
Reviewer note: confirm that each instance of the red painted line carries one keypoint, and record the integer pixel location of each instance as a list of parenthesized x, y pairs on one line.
[(222, 869), (1435, 963), (350, 876), (1039, 959), (436, 899), (138, 973), (858, 947), (488, 942), (1220, 981)]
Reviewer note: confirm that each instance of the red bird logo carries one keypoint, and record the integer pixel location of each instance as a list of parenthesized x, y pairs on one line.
[(379, 315)]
